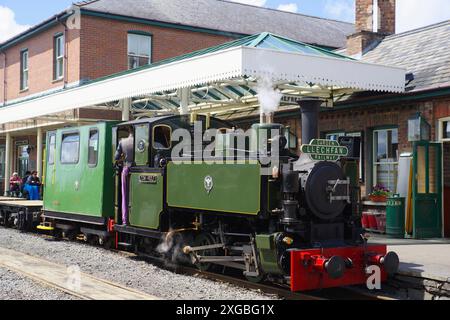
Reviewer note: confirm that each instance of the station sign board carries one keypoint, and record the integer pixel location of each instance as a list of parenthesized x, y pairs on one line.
[(324, 150)]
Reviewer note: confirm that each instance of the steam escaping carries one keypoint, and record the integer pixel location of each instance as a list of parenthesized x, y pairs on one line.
[(269, 98)]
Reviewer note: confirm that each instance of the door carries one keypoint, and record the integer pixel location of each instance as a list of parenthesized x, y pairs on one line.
[(23, 158), (427, 190)]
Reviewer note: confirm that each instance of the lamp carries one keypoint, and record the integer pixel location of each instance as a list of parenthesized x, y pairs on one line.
[(418, 128)]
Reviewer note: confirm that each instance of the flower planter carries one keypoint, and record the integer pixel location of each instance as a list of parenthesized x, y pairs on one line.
[(378, 198)]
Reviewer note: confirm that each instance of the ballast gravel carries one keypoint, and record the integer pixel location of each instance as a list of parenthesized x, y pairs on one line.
[(16, 287), (125, 270)]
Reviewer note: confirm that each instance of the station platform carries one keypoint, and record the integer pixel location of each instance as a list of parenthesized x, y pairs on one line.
[(424, 271)]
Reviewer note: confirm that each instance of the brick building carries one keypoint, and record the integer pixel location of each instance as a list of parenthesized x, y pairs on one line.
[(380, 119), (94, 39)]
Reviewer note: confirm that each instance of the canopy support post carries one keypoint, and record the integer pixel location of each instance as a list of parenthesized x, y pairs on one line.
[(8, 153), (125, 105), (184, 94), (39, 151)]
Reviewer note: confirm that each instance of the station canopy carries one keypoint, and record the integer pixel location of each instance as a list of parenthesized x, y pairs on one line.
[(220, 80)]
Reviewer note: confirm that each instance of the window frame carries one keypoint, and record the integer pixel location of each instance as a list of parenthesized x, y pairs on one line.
[(441, 127), (150, 56), (23, 70), (57, 58), (62, 144), (153, 137), (374, 160), (53, 134), (91, 130)]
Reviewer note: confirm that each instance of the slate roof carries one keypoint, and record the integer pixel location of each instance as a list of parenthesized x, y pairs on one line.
[(425, 52), (231, 17)]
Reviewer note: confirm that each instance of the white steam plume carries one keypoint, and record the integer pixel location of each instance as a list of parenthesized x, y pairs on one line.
[(269, 98)]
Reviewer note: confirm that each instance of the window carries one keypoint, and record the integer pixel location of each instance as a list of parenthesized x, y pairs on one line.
[(385, 158), (335, 137), (51, 148), (2, 162), (24, 70), (58, 67), (70, 148), (139, 50), (93, 148), (446, 130), (162, 137)]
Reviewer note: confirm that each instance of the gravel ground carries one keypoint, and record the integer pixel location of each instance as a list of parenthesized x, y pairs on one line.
[(16, 287), (130, 272)]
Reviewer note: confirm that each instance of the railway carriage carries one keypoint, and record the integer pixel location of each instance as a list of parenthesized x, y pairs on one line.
[(299, 224)]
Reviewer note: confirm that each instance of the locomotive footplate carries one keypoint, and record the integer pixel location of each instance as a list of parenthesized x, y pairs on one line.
[(321, 268)]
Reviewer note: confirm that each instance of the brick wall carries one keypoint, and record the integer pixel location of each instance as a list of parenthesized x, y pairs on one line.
[(364, 15), (387, 16), (104, 45), (40, 50), (98, 49)]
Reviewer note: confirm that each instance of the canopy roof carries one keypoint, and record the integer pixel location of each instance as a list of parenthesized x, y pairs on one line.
[(221, 79)]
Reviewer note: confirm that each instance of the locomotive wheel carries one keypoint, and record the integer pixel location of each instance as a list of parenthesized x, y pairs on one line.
[(205, 239)]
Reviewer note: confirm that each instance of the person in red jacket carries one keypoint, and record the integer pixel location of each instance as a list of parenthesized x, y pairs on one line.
[(14, 184)]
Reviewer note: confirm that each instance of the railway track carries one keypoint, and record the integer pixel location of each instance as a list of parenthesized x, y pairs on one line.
[(281, 291), (67, 279), (94, 288)]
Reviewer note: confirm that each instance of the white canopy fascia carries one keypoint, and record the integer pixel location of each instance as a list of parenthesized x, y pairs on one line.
[(215, 67)]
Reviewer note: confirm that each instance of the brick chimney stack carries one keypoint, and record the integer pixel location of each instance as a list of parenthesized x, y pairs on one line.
[(365, 36)]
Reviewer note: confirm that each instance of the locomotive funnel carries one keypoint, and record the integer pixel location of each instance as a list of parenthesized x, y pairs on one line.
[(310, 118)]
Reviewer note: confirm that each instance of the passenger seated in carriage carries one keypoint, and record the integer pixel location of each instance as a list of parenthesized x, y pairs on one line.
[(33, 186)]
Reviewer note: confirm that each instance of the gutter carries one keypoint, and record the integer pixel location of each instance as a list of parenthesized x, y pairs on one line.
[(34, 30)]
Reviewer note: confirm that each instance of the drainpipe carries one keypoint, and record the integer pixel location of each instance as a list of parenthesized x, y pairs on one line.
[(5, 84)]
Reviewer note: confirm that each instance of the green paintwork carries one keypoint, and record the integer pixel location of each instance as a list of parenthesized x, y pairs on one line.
[(146, 199), (395, 217), (80, 188), (267, 253), (236, 188), (427, 206), (141, 144)]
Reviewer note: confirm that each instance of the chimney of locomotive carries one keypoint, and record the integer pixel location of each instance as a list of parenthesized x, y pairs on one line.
[(309, 108)]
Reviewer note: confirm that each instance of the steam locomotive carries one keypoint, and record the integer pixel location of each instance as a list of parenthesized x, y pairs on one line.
[(209, 204)]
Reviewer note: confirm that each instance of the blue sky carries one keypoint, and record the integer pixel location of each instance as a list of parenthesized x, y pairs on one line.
[(17, 15)]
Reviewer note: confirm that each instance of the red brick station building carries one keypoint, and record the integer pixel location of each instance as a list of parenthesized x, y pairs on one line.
[(118, 35)]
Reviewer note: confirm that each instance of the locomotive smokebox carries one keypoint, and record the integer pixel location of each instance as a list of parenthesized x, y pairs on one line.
[(310, 118)]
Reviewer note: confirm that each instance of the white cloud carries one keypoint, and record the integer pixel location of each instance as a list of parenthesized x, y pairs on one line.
[(413, 14), (341, 10), (290, 7), (258, 3), (8, 24)]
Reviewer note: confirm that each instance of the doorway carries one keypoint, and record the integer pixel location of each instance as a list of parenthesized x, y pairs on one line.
[(446, 168), (23, 160)]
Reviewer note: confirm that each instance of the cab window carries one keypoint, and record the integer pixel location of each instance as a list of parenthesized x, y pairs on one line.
[(162, 137), (51, 148), (70, 148), (93, 148)]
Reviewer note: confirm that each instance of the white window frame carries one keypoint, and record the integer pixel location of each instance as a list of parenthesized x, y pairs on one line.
[(441, 129), (58, 67), (24, 69), (375, 163), (149, 57)]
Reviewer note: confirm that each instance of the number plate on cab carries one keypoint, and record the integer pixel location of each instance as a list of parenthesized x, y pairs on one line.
[(148, 179)]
